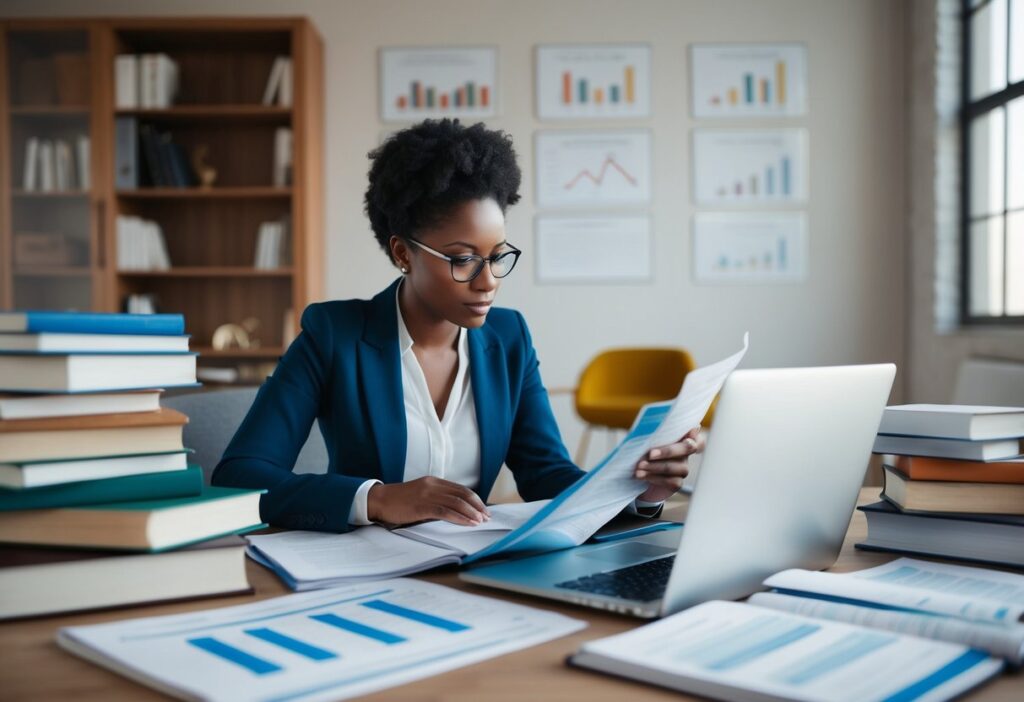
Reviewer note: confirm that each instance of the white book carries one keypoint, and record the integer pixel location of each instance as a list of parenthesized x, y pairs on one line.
[(742, 653), (123, 229), (59, 342), (90, 372), (261, 246), (147, 81), (30, 174), (64, 166), (165, 81), (992, 450), (42, 406), (156, 248), (274, 255), (282, 156), (83, 162), (33, 474), (284, 95), (126, 81), (47, 167), (953, 421), (273, 81)]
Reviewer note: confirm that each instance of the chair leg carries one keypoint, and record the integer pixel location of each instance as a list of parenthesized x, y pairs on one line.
[(581, 450)]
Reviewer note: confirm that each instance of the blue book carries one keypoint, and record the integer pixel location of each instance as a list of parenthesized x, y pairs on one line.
[(128, 488), (92, 323)]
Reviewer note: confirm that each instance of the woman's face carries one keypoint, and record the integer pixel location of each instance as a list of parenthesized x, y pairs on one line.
[(473, 227)]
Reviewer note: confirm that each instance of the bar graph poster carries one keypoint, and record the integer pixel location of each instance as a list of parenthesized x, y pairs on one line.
[(735, 247), (748, 80), (593, 249), (593, 168), (593, 81), (751, 166), (419, 83)]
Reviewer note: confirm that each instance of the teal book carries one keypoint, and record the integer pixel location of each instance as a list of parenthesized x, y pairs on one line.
[(141, 525), (149, 486)]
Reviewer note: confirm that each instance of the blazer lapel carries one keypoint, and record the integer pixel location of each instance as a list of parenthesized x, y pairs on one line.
[(381, 373), (489, 376)]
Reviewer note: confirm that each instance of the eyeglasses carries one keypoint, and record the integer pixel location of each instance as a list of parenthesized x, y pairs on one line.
[(466, 267)]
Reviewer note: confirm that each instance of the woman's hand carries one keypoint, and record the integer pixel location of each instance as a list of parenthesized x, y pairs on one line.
[(665, 467), (425, 498)]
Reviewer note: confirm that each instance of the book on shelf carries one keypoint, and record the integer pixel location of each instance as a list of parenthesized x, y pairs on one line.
[(50, 342), (31, 406), (177, 482), (816, 633), (56, 165), (140, 245), (962, 449), (126, 82), (158, 80), (41, 581), (970, 422), (984, 538), (83, 162), (279, 83), (26, 476), (63, 166), (47, 167), (273, 245), (30, 170), (92, 323), (144, 525), (928, 468), (283, 150), (141, 303), (62, 438), (95, 372), (126, 153), (951, 496)]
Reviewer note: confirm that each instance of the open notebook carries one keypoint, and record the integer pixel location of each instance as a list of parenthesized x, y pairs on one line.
[(308, 560)]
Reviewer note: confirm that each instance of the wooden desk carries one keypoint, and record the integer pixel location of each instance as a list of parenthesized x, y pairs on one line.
[(32, 667)]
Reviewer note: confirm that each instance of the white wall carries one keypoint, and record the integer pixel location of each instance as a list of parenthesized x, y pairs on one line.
[(851, 309)]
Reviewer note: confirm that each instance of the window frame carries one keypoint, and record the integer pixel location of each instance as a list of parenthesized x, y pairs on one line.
[(971, 110)]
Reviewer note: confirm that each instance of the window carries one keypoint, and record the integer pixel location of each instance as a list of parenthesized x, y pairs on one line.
[(992, 124)]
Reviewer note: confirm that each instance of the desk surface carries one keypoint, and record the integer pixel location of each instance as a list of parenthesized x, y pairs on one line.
[(34, 668)]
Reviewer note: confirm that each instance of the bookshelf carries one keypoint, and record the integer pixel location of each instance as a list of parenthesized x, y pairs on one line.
[(71, 258)]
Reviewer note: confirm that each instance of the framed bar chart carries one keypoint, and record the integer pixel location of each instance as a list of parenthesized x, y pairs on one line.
[(437, 82), (741, 247), (748, 80), (593, 168), (595, 81), (611, 248), (755, 166)]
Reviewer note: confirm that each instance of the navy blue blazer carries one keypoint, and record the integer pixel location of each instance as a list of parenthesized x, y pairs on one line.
[(344, 370)]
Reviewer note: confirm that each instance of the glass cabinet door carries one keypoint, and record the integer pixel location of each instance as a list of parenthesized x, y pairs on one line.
[(53, 233)]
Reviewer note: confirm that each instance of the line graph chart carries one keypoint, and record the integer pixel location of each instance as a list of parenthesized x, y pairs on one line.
[(593, 168)]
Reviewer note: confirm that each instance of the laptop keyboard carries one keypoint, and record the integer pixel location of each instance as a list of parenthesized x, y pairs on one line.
[(642, 582)]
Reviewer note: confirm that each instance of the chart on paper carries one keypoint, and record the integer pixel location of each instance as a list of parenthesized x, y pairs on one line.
[(601, 248), (329, 644), (752, 166), (437, 82), (595, 81), (748, 80), (593, 168), (750, 247)]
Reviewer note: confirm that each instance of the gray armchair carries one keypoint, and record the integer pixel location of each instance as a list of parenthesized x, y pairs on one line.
[(214, 417)]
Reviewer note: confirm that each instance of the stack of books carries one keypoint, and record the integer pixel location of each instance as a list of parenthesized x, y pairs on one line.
[(954, 483), (98, 504)]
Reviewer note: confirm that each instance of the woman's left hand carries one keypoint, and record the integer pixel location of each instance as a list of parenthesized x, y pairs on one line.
[(665, 467)]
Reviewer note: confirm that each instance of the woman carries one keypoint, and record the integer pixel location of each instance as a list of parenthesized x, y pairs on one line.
[(423, 392)]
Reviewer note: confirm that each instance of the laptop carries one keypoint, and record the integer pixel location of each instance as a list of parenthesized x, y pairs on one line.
[(778, 483)]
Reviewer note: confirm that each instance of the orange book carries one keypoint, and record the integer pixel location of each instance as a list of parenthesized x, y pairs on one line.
[(925, 468)]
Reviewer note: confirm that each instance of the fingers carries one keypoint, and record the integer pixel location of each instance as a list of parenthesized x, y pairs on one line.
[(467, 495), (453, 508), (651, 471)]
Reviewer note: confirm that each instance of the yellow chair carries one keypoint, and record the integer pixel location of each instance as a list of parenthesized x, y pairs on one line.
[(618, 382)]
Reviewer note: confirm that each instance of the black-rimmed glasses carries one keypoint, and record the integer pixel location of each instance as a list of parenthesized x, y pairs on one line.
[(466, 267)]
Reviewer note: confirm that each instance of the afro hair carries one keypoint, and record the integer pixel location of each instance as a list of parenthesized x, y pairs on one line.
[(418, 175)]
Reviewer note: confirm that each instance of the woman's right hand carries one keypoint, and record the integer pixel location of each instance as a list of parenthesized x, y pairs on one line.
[(425, 498)]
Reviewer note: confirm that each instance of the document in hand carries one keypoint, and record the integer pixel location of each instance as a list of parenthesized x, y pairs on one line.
[(736, 651), (328, 645), (308, 560)]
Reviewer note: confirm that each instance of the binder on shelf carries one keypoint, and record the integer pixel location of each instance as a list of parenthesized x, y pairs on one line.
[(126, 153)]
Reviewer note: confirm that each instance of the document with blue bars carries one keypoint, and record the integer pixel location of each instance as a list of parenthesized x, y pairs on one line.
[(325, 645)]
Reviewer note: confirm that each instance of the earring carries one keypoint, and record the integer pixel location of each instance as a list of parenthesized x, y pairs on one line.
[(404, 270)]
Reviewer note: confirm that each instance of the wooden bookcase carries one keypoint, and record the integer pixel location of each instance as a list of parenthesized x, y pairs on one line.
[(210, 233)]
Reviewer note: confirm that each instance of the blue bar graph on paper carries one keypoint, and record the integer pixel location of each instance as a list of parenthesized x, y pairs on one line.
[(782, 254), (369, 632), (769, 180), (955, 667), (234, 655), (785, 176), (845, 651), (415, 615), (294, 645), (748, 86), (741, 644)]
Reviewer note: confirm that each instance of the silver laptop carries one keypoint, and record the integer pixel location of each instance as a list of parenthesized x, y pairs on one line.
[(779, 479)]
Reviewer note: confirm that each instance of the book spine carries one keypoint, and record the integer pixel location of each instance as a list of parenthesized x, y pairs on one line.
[(86, 323), (126, 78), (127, 153), (148, 486)]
